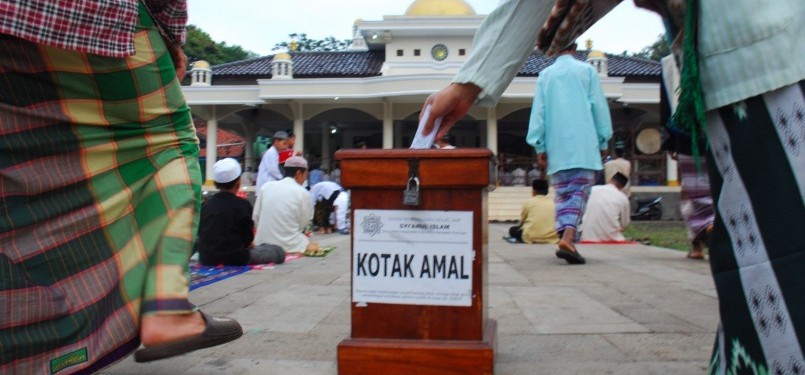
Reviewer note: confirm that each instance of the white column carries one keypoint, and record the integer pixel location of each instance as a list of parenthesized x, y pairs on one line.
[(299, 127), (388, 126), (325, 145), (671, 172), (212, 146), (248, 162), (492, 130)]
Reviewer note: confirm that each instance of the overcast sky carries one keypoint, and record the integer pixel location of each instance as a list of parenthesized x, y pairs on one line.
[(258, 25)]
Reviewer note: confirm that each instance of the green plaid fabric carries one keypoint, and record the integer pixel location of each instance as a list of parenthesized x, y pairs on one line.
[(99, 199)]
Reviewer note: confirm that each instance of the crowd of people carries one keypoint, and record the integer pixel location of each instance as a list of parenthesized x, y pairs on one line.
[(285, 213)]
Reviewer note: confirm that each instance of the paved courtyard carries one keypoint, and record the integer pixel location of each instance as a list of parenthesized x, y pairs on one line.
[(633, 309)]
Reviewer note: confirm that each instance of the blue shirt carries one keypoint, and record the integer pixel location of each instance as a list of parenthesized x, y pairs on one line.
[(570, 118), (314, 177)]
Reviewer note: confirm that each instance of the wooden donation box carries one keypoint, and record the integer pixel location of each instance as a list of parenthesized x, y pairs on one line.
[(419, 262)]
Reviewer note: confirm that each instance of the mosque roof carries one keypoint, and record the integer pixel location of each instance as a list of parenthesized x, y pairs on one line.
[(311, 65), (617, 66), (369, 63)]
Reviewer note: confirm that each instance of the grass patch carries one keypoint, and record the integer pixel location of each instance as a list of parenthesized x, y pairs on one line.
[(668, 234)]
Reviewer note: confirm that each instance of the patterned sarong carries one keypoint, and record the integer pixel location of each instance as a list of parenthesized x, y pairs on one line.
[(696, 202), (757, 251), (572, 189), (99, 194)]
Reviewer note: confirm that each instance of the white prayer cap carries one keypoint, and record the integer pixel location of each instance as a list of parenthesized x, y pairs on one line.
[(296, 161), (226, 170)]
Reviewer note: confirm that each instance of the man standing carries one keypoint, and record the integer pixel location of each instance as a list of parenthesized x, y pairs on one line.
[(269, 169), (571, 125), (537, 218), (283, 211), (607, 213), (226, 230)]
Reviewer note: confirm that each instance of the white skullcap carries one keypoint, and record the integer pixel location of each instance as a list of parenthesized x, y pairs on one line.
[(296, 161), (226, 170)]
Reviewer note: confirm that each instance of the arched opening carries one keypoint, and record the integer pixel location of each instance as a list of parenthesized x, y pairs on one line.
[(329, 131)]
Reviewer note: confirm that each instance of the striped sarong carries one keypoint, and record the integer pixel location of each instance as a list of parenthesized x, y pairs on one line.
[(99, 201), (696, 203), (572, 189), (757, 251)]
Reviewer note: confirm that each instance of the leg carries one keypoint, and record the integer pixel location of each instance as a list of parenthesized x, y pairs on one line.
[(572, 191), (265, 253), (516, 232)]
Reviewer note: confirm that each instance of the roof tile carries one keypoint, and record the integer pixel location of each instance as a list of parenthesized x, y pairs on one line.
[(369, 63)]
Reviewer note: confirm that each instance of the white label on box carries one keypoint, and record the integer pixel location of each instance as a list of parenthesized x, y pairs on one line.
[(412, 257)]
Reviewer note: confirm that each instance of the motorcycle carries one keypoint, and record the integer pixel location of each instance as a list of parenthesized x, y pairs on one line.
[(648, 209)]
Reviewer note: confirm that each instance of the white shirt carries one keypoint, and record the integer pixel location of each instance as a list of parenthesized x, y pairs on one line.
[(281, 213), (606, 215), (323, 190), (341, 208), (269, 169)]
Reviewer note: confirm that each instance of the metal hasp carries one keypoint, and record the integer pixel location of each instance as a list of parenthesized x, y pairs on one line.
[(411, 194)]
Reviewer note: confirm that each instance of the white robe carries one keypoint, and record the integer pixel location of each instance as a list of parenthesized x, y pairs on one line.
[(607, 214), (282, 211)]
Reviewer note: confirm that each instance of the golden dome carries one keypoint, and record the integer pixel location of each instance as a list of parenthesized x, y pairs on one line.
[(201, 64), (282, 56), (440, 8), (596, 55)]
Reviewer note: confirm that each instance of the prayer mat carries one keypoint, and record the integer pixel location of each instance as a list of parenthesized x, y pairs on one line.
[(609, 242), (203, 275)]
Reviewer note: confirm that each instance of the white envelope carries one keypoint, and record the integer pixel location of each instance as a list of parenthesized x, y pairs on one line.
[(425, 141)]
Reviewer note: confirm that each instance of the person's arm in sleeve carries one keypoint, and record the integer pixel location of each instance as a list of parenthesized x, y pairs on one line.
[(258, 203), (306, 214), (600, 110), (524, 213), (246, 225), (625, 217), (502, 43), (536, 124), (273, 165), (262, 177)]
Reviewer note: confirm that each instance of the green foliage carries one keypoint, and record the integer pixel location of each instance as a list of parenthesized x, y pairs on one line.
[(200, 46), (655, 51), (300, 42)]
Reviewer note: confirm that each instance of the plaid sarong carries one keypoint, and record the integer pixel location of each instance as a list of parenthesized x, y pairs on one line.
[(572, 188), (696, 203), (99, 195)]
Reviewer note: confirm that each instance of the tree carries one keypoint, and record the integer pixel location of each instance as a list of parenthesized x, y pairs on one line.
[(655, 51), (200, 46), (300, 42)]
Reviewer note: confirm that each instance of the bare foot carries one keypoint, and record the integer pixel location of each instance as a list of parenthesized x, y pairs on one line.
[(566, 242), (161, 329)]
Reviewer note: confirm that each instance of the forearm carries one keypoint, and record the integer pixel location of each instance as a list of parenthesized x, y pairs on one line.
[(503, 42)]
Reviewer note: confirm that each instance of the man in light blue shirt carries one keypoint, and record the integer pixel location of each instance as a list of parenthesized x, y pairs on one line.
[(570, 124)]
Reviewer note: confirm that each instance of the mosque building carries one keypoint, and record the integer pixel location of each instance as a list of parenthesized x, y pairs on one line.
[(373, 93)]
